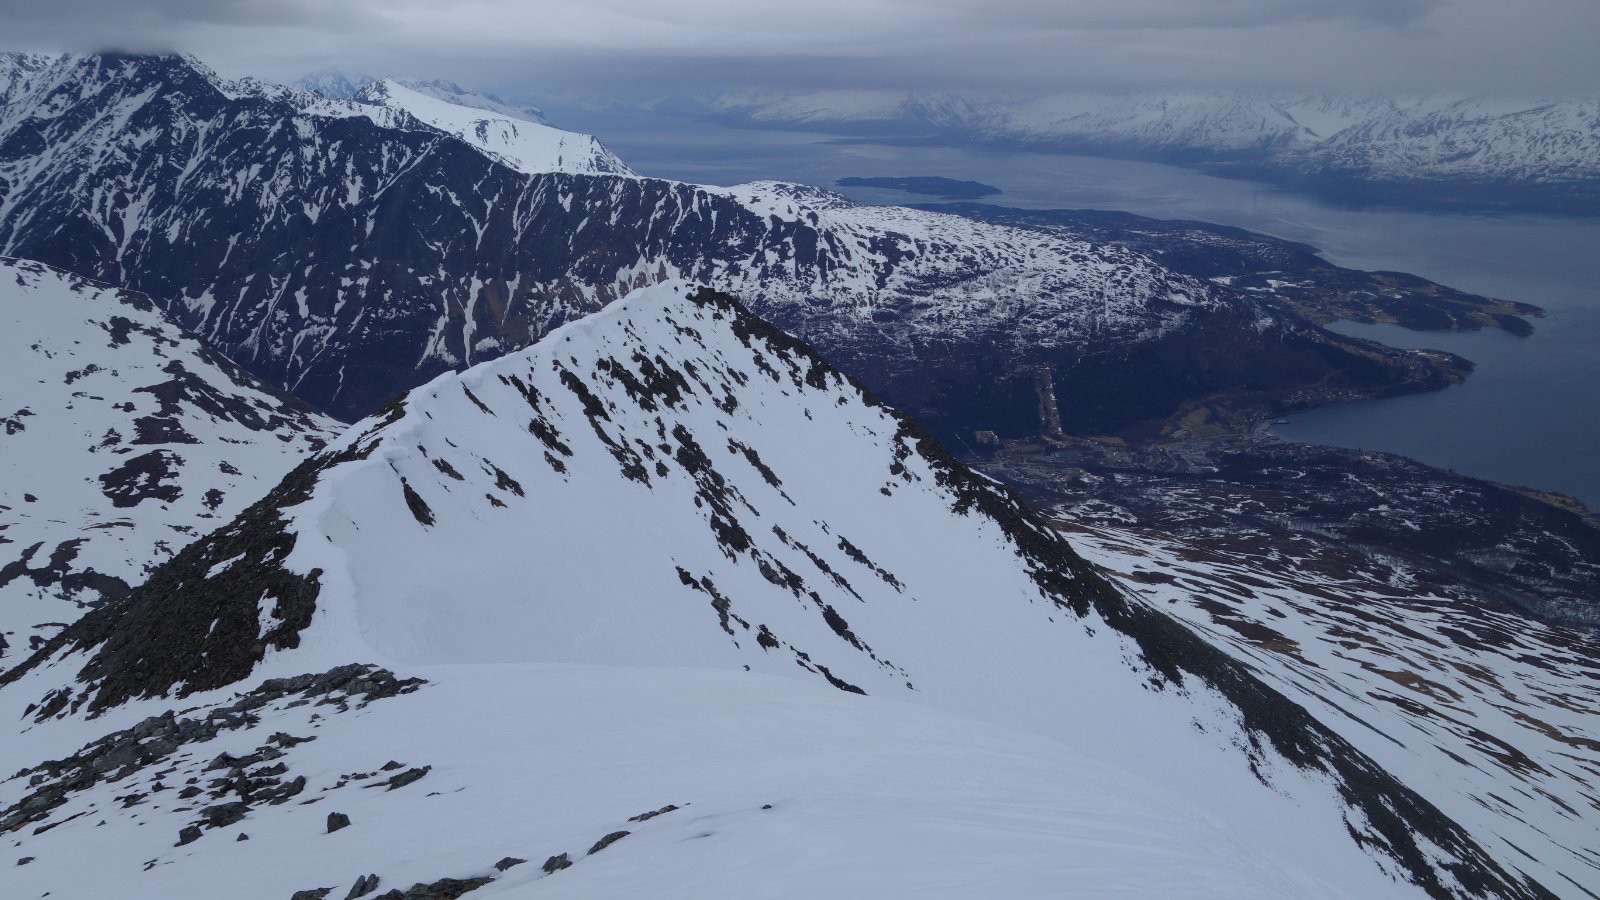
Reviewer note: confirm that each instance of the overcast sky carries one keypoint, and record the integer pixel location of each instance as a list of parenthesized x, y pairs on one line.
[(641, 48)]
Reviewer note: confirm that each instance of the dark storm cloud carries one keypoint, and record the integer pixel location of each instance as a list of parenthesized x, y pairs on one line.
[(665, 46)]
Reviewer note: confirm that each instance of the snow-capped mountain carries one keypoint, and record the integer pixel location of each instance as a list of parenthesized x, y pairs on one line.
[(456, 95), (789, 544), (1450, 140), (335, 84), (348, 251), (124, 438), (499, 126), (515, 137)]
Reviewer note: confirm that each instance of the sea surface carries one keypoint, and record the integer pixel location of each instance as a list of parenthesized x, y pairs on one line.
[(1529, 414)]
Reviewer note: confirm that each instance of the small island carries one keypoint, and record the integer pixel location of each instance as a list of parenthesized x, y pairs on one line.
[(947, 188)]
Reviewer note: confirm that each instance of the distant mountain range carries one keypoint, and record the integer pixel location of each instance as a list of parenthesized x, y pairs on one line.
[(1478, 149), (379, 241)]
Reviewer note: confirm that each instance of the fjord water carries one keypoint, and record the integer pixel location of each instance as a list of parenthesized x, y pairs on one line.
[(1529, 414)]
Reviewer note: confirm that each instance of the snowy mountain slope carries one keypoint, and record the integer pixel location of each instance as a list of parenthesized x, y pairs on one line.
[(348, 257), (124, 438), (673, 482), (1487, 714), (508, 135), (1401, 605), (529, 762), (16, 69)]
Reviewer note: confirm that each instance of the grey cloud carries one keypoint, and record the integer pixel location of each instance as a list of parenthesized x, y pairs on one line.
[(667, 46), (1183, 14)]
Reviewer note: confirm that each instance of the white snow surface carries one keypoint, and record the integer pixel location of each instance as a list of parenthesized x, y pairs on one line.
[(98, 382), (509, 135), (706, 662), (868, 798)]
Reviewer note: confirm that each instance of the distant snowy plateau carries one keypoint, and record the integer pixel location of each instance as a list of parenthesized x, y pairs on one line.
[(626, 582), (1548, 146)]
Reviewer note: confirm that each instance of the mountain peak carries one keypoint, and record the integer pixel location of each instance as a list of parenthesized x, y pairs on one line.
[(335, 84)]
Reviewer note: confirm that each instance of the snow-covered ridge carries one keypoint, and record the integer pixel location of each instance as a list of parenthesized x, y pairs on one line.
[(674, 482), (122, 439)]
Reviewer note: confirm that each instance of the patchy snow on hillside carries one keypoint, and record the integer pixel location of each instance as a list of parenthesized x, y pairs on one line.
[(1488, 714), (122, 438)]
